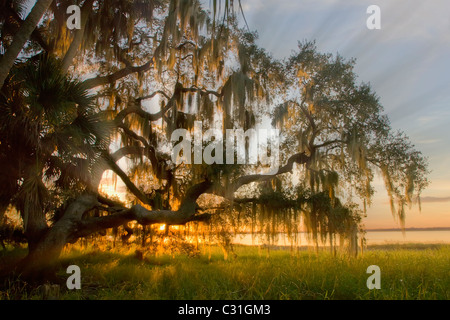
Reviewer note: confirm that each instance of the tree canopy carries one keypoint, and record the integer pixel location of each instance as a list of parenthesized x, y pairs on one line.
[(78, 101)]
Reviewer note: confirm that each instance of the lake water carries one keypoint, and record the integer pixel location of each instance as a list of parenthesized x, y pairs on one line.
[(372, 237), (382, 237)]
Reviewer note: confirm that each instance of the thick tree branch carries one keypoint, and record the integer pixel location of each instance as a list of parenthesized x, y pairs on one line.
[(306, 113), (108, 202), (134, 108), (124, 151), (188, 204), (181, 45), (113, 77), (130, 185), (150, 150), (79, 33), (327, 143), (136, 213), (102, 165), (21, 37), (153, 95), (202, 91), (299, 158), (186, 213), (36, 35)]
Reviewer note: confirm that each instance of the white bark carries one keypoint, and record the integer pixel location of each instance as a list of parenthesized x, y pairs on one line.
[(21, 37)]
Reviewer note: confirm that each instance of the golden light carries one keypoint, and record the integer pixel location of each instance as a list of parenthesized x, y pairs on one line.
[(112, 187), (162, 227)]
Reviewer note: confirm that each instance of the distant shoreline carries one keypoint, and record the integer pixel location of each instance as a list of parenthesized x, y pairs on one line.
[(409, 229), (376, 230)]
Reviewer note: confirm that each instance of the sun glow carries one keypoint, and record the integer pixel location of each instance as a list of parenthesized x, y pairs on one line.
[(112, 187)]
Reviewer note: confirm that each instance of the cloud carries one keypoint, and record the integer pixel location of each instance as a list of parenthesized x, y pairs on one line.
[(434, 199), (428, 141)]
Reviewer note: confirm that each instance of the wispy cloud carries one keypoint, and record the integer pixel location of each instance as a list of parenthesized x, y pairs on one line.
[(428, 141), (434, 199), (405, 62)]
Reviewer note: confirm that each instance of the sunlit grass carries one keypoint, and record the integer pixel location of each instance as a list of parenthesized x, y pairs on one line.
[(407, 272)]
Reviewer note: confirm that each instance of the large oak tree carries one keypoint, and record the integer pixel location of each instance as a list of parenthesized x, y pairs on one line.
[(77, 102)]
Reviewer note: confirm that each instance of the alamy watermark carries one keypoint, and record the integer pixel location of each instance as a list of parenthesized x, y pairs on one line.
[(74, 20), (73, 281), (374, 281), (253, 146), (374, 20)]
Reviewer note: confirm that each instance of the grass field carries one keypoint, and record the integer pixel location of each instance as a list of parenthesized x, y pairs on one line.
[(407, 272)]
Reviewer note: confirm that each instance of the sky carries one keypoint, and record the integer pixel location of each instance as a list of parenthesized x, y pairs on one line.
[(406, 62)]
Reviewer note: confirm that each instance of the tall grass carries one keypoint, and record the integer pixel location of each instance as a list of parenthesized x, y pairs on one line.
[(406, 273)]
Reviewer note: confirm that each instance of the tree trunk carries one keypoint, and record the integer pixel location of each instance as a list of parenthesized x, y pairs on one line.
[(41, 260), (35, 226), (21, 37), (40, 263), (3, 207)]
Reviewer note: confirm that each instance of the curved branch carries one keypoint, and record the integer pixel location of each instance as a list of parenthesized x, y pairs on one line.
[(299, 158), (141, 112), (189, 205), (185, 214), (124, 151), (102, 165), (154, 94), (327, 143), (129, 184), (136, 213), (151, 153), (36, 35), (202, 91)]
